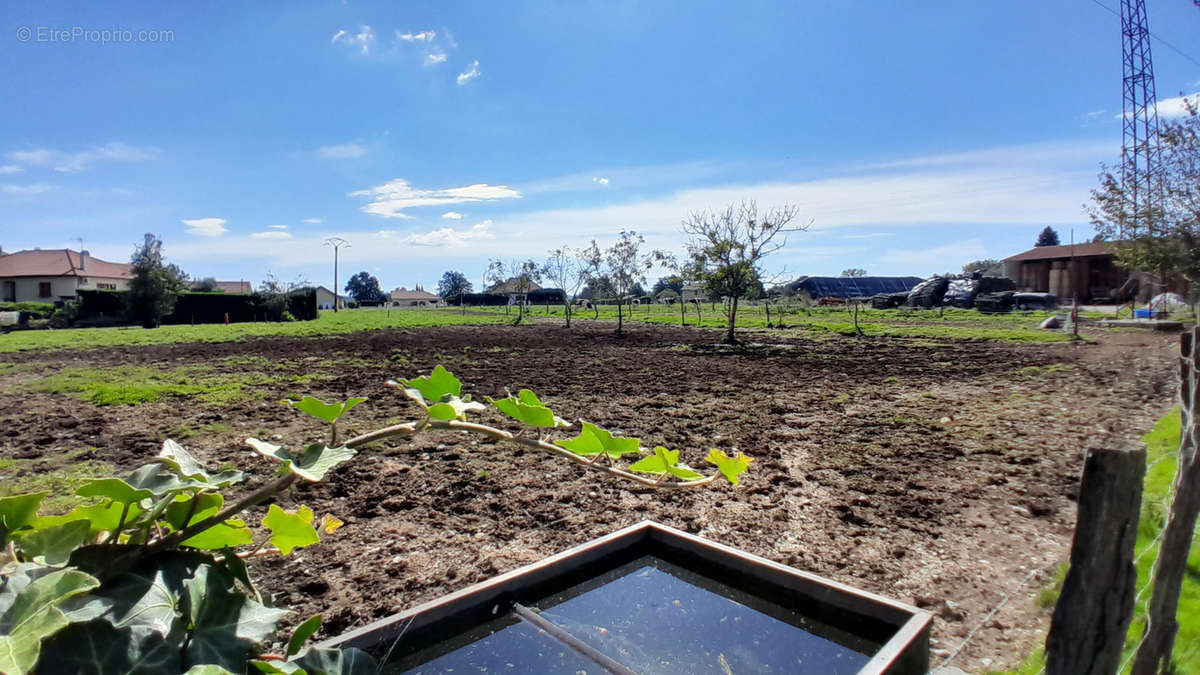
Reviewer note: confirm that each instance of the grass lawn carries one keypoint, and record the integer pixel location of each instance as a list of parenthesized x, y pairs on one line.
[(1162, 447), (329, 323)]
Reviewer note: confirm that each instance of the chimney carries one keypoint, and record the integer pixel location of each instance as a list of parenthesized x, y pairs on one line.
[(83, 256)]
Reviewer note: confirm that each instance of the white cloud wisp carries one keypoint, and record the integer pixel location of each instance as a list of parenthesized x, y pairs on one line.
[(393, 197)]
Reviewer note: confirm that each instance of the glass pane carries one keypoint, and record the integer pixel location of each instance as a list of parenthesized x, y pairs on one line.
[(517, 648), (653, 621)]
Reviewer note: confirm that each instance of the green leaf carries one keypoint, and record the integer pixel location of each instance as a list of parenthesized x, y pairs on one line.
[(730, 467), (53, 545), (452, 407), (101, 517), (329, 412), (527, 409), (434, 386), (96, 647), (311, 464), (115, 489), (227, 626), (32, 613), (183, 463), (348, 661), (277, 667), (290, 530), (302, 633), (592, 440), (208, 669), (17, 512), (222, 535), (236, 567), (665, 461)]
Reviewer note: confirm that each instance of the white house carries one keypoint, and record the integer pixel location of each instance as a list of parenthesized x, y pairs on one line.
[(325, 298), (694, 292), (402, 297), (57, 275)]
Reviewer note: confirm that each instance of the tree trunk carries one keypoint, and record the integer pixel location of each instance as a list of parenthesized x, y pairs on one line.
[(1154, 656), (682, 312), (618, 316), (729, 337), (1091, 619), (567, 313)]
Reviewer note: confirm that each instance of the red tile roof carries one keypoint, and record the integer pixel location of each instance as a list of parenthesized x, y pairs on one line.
[(1064, 251), (60, 263)]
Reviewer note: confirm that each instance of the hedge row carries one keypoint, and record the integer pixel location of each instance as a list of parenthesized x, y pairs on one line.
[(200, 307)]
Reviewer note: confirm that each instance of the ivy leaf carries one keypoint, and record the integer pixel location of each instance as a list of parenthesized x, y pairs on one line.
[(348, 661), (101, 517), (302, 633), (53, 545), (277, 667), (665, 461), (236, 568), (452, 407), (592, 440), (730, 467), (311, 464), (208, 669), (227, 626), (183, 463), (527, 409), (18, 511), (113, 489), (330, 523), (434, 386), (329, 412), (222, 535), (290, 530), (97, 647), (32, 613)]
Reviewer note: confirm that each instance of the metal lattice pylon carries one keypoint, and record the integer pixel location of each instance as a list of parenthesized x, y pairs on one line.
[(1141, 157)]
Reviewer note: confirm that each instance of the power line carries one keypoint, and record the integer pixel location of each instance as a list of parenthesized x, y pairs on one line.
[(1168, 45)]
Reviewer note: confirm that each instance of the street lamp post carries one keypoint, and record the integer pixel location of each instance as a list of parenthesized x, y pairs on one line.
[(336, 242)]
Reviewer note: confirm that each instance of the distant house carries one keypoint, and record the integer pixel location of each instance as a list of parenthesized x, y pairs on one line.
[(1087, 271), (695, 292), (511, 286), (57, 275), (326, 298), (235, 287), (402, 297), (816, 288)]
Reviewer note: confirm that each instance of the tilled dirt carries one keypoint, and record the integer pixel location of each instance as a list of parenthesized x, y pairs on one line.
[(937, 473)]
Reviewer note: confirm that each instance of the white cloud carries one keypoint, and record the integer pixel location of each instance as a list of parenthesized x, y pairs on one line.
[(393, 197), (452, 215), (30, 190), (206, 227), (600, 180), (938, 258), (313, 221), (470, 73), (450, 237), (70, 162), (362, 39), (1173, 107), (277, 227), (10, 169), (434, 58), (273, 234), (423, 36), (344, 151)]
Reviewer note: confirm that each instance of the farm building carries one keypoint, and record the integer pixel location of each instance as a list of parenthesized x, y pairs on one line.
[(57, 275), (512, 286), (234, 287), (816, 288), (1087, 271), (325, 298), (402, 297), (695, 292)]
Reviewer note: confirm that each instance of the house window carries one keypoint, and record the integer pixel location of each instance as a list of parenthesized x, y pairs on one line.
[(44, 289), (106, 287)]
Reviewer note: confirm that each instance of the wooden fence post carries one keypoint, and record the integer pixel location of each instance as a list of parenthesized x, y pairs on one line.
[(1087, 631), (1154, 655)]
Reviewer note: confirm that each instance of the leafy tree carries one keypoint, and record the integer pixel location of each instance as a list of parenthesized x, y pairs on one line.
[(155, 285), (854, 272), (727, 248), (364, 287), (206, 285), (453, 284), (273, 295), (569, 270), (673, 282), (517, 276), (626, 266), (1047, 237), (988, 267), (1160, 237), (599, 287)]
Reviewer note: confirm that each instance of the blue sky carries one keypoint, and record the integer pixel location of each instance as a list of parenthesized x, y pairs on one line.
[(913, 136)]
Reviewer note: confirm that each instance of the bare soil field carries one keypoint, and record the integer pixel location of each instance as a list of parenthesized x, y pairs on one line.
[(938, 473)]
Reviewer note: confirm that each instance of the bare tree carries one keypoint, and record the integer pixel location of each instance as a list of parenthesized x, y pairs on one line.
[(727, 248), (516, 277), (626, 267), (570, 270)]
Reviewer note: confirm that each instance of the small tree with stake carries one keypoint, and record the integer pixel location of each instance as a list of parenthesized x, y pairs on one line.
[(570, 270), (155, 285), (518, 275), (726, 249), (626, 267)]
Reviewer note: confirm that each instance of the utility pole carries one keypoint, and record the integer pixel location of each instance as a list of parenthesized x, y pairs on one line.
[(336, 242)]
